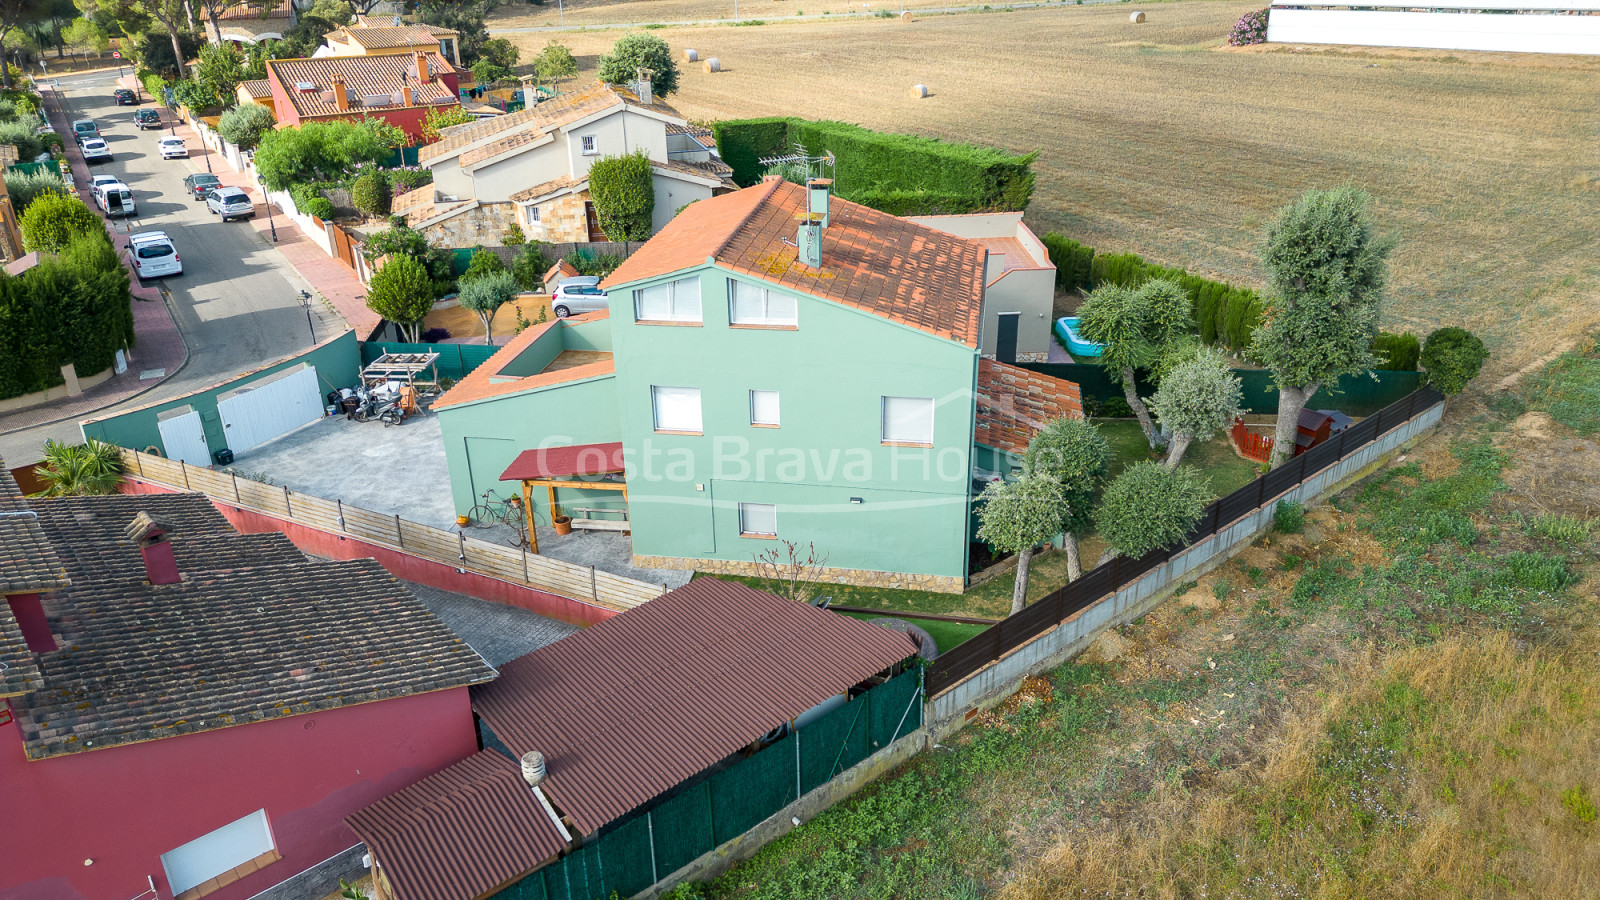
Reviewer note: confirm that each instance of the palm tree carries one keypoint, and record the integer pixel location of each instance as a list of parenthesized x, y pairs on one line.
[(80, 470)]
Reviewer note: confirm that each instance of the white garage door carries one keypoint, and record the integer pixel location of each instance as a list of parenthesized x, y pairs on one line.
[(208, 856), (183, 437), (275, 405)]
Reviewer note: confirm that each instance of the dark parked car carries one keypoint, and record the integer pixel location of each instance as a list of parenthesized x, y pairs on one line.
[(201, 184), (147, 118), (126, 97)]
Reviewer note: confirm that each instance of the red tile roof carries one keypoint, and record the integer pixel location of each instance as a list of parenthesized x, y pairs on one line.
[(363, 75), (637, 704), (565, 462), (872, 261), (480, 384), (459, 833), (1014, 403)]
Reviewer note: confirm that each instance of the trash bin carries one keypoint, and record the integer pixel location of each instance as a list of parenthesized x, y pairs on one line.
[(223, 457)]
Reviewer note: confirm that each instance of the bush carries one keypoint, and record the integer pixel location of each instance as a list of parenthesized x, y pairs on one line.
[(1289, 518), (599, 265), (1452, 357), (484, 262), (1072, 260), (320, 207), (410, 179), (244, 125), (155, 86), (1149, 506), (371, 193), (54, 220), (1250, 29), (25, 187), (624, 195), (21, 134), (71, 308), (529, 267), (513, 236), (323, 151), (1396, 352)]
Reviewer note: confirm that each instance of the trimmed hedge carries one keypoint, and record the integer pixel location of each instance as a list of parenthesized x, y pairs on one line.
[(906, 174), (1397, 352), (1073, 261), (75, 308)]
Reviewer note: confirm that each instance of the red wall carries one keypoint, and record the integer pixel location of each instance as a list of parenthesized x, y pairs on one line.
[(401, 565), (123, 807), (409, 120)]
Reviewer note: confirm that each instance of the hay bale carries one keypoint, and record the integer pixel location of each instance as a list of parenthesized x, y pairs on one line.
[(712, 65), (906, 16), (691, 56), (918, 91), (1136, 18)]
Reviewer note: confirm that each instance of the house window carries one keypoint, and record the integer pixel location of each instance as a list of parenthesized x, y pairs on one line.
[(532, 214), (764, 408), (211, 861), (589, 148), (908, 420), (675, 301), (750, 304), (676, 409), (758, 520)]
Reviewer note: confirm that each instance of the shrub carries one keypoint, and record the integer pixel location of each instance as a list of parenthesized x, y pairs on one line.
[(438, 120), (624, 196), (1396, 352), (529, 267), (322, 151), (599, 265), (484, 262), (53, 220), (1289, 518), (1072, 260), (402, 292), (20, 134), (155, 86), (1452, 357), (410, 179), (74, 307), (1149, 506), (641, 50), (513, 236), (243, 125), (1250, 29), (25, 187), (320, 207), (371, 193)]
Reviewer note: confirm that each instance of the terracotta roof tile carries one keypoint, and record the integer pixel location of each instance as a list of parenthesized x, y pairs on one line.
[(523, 138), (480, 384), (387, 37), (549, 187), (1014, 403), (257, 88), (556, 112), (363, 76), (885, 265), (28, 562)]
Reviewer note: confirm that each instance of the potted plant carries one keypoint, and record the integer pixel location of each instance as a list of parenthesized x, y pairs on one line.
[(561, 521)]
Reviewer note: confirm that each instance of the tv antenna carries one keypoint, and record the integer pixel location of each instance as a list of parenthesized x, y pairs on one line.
[(824, 166)]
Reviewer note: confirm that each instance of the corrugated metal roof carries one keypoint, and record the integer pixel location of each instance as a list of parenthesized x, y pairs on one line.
[(631, 707), (565, 462), (459, 833)]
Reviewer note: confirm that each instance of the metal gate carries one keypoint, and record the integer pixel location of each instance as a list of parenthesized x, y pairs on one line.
[(272, 406), (183, 436)]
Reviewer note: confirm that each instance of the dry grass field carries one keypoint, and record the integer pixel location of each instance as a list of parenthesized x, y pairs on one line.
[(1154, 138)]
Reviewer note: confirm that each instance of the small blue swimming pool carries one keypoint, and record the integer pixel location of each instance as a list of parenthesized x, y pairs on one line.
[(1067, 328)]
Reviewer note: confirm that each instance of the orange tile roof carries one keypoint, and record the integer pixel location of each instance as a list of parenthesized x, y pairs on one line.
[(522, 138), (363, 75), (871, 261), (549, 187), (389, 36), (257, 88), (479, 384), (553, 113), (1014, 403)]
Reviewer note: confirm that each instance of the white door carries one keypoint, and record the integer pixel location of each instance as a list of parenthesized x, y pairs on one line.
[(275, 405), (183, 437), (210, 855)]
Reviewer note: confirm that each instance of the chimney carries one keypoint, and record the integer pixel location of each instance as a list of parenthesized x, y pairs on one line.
[(533, 767), (405, 94), (643, 88), (28, 610), (818, 192), (809, 240), (160, 566), (423, 74), (341, 98)]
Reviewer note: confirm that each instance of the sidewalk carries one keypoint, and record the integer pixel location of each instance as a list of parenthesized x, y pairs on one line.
[(158, 351), (326, 275)]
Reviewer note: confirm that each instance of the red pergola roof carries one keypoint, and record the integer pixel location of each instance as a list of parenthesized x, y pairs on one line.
[(565, 462)]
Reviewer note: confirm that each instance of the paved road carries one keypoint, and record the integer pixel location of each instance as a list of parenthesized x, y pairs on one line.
[(236, 303), (778, 20)]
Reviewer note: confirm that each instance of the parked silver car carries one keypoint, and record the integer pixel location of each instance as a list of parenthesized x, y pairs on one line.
[(578, 295), (230, 203)]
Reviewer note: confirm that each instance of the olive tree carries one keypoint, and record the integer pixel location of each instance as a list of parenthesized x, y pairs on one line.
[(1198, 397), (243, 125), (1328, 268), (1150, 506), (641, 50), (1137, 327), (485, 294), (1018, 516), (1452, 357), (1073, 454), (401, 292)]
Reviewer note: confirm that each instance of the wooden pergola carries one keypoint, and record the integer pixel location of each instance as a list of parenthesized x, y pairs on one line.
[(565, 467)]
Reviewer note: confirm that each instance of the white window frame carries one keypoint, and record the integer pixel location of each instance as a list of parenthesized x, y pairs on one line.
[(530, 214), (900, 439), (219, 852), (683, 302), (766, 319), (659, 392), (777, 410), (745, 509), (590, 145)]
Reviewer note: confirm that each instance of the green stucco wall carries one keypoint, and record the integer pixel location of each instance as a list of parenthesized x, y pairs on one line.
[(831, 373)]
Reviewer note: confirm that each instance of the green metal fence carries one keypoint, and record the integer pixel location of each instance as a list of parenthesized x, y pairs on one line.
[(455, 360), (1358, 395), (634, 853)]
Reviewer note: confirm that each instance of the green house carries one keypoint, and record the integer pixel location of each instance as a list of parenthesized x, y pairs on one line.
[(776, 367)]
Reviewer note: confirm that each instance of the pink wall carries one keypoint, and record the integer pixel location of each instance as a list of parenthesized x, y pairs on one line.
[(409, 120), (124, 806), (401, 565)]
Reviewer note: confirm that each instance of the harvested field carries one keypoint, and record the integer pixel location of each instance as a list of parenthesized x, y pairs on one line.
[(1154, 138)]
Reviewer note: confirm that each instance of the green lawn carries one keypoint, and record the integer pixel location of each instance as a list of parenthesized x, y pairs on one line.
[(945, 634), (1227, 470)]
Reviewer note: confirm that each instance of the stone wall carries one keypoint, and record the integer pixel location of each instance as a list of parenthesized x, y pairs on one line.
[(561, 220), (944, 584), (486, 224)]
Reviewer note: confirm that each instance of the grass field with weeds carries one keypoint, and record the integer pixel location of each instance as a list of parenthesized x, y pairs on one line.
[(1400, 700), (1157, 139)]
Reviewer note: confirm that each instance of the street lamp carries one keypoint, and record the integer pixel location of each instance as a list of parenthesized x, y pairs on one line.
[(270, 223), (305, 303)]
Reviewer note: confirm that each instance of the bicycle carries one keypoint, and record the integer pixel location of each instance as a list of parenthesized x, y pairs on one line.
[(493, 511)]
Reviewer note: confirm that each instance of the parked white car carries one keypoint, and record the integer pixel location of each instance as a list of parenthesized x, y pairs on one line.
[(114, 199), (231, 203), (98, 180), (578, 295), (153, 255), (173, 148), (95, 149)]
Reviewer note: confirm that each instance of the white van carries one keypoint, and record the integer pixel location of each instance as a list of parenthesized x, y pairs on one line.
[(114, 198), (153, 255)]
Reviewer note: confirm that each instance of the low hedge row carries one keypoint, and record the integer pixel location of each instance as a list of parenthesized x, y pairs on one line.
[(73, 308), (905, 173)]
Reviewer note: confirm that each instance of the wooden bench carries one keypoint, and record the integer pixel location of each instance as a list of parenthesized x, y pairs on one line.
[(592, 524)]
